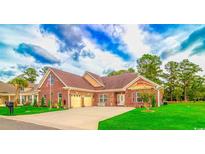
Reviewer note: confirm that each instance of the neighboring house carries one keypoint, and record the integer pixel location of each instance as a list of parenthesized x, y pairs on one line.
[(28, 94), (93, 90), (7, 93)]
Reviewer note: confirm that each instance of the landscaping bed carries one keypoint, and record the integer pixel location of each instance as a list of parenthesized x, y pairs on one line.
[(180, 116)]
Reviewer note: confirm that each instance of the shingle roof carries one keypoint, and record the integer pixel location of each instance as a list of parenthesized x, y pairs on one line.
[(118, 81), (113, 82), (7, 88), (72, 80)]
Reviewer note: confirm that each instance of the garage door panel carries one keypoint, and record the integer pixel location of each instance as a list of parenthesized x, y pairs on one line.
[(88, 101), (76, 101)]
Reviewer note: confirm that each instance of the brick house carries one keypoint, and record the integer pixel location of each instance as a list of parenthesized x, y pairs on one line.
[(93, 90)]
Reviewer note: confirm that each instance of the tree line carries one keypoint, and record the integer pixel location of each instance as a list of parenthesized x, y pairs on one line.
[(181, 80)]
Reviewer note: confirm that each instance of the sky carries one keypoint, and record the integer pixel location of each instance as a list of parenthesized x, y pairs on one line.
[(96, 48)]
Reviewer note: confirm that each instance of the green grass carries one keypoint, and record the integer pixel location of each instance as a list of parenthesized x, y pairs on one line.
[(24, 110), (182, 116)]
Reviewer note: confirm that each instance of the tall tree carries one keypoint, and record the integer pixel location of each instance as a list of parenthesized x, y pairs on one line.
[(44, 70), (187, 72), (149, 66), (197, 89), (19, 83), (172, 78), (30, 74), (129, 70)]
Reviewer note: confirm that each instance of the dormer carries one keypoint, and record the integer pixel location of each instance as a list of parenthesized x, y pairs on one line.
[(93, 79)]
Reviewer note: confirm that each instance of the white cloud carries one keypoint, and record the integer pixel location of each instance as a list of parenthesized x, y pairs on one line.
[(134, 37)]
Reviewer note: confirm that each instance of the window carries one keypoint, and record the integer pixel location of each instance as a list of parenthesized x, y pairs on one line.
[(103, 98), (59, 96), (136, 97)]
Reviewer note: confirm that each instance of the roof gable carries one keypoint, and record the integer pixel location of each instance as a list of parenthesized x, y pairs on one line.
[(93, 79), (7, 88)]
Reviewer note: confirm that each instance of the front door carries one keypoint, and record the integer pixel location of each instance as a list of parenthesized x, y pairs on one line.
[(120, 99)]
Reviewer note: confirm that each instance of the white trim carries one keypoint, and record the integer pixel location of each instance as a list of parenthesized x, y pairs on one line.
[(88, 90), (140, 77), (158, 97), (6, 94), (46, 76), (94, 78)]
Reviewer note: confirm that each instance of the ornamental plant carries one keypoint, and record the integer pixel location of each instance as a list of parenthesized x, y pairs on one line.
[(35, 102), (42, 102), (60, 103)]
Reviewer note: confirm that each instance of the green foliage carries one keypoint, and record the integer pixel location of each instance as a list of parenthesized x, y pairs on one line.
[(44, 70), (43, 102), (153, 101), (49, 104), (19, 83), (35, 102), (172, 79), (187, 72), (60, 103), (129, 70), (30, 74), (26, 110), (149, 66), (145, 97)]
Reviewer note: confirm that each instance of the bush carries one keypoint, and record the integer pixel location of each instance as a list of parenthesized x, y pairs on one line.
[(165, 103), (35, 102), (49, 104), (153, 101), (42, 102), (60, 103)]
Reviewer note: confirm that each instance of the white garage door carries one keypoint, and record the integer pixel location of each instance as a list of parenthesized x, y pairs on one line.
[(87, 101), (76, 101)]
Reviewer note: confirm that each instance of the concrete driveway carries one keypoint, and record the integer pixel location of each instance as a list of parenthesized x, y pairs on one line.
[(75, 119)]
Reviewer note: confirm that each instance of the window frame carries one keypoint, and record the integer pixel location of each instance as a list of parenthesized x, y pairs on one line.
[(136, 98), (103, 98)]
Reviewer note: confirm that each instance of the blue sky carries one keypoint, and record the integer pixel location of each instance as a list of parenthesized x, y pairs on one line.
[(96, 48)]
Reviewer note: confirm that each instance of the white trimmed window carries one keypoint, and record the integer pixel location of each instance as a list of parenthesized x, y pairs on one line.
[(103, 98), (136, 97)]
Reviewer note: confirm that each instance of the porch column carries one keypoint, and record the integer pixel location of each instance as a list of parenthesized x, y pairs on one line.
[(9, 98), (37, 98), (20, 99), (158, 97), (32, 98), (69, 102)]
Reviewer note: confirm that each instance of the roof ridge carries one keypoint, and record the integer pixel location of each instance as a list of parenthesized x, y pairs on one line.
[(65, 71), (120, 74)]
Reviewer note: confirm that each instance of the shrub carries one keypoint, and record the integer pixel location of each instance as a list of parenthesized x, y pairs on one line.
[(60, 103), (49, 104), (42, 102), (35, 102), (153, 101)]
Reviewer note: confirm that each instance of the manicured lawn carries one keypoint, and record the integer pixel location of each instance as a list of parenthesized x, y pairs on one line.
[(23, 110), (182, 116)]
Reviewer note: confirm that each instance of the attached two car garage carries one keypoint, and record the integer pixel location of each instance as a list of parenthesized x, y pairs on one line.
[(81, 101)]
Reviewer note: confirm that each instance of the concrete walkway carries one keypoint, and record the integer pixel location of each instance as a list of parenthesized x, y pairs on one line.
[(74, 119)]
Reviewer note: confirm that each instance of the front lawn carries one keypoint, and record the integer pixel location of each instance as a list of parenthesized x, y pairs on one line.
[(181, 116), (23, 110)]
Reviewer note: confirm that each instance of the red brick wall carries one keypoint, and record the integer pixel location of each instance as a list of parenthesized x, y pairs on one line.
[(55, 89), (129, 93), (112, 98)]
